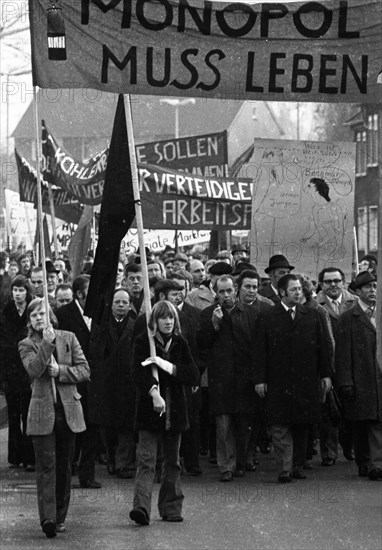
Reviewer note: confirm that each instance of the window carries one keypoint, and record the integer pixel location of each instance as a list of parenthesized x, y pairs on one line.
[(372, 140), (361, 153), (373, 228), (362, 228)]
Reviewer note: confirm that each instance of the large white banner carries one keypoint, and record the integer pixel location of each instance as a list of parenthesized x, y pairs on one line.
[(293, 51), (302, 203)]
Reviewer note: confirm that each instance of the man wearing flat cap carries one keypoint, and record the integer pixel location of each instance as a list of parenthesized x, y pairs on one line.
[(359, 377), (204, 295), (277, 268), (180, 261)]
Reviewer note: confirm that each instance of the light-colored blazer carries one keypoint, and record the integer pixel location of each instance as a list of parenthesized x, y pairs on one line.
[(35, 355)]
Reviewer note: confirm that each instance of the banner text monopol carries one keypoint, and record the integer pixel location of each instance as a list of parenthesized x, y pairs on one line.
[(233, 20)]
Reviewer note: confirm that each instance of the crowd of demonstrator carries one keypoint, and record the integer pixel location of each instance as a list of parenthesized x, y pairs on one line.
[(231, 364)]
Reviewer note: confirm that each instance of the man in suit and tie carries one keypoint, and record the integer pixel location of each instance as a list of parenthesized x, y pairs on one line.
[(359, 377), (278, 266), (71, 317), (292, 355), (336, 300)]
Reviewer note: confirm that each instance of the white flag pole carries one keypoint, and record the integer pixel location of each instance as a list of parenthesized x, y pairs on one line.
[(138, 213), (39, 220)]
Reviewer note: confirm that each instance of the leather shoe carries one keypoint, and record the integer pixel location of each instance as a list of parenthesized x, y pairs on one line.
[(124, 473), (226, 476), (49, 528), (349, 454), (239, 472), (375, 474), (60, 528), (328, 462), (90, 484), (194, 471), (250, 467), (173, 519), (298, 475), (110, 467), (363, 470), (285, 477), (140, 516), (212, 459), (29, 468)]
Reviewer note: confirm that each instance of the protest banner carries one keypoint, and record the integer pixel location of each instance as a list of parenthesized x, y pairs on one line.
[(67, 207), (293, 51), (302, 206), (202, 155)]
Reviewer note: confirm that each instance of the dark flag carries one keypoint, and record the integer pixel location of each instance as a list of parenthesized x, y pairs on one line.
[(116, 216), (238, 164), (46, 244)]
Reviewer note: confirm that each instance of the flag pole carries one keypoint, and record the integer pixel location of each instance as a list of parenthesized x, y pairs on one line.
[(40, 223), (138, 213), (53, 220)]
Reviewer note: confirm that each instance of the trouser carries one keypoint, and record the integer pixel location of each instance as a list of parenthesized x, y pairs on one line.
[(190, 443), (171, 496), (289, 443), (367, 435), (225, 443), (207, 424), (120, 446), (328, 434), (54, 454), (20, 447), (89, 447)]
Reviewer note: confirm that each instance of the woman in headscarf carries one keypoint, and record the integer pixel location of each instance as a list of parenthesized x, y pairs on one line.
[(55, 363)]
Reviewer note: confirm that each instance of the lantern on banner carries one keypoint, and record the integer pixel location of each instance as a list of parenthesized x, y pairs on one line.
[(56, 34)]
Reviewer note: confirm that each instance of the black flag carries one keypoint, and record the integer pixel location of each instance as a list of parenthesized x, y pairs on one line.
[(116, 216)]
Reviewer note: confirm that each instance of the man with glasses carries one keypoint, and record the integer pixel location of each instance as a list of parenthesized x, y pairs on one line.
[(336, 300), (360, 377)]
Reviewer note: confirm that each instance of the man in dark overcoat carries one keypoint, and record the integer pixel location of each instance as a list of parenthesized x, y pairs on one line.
[(359, 377), (292, 355), (226, 330), (111, 393)]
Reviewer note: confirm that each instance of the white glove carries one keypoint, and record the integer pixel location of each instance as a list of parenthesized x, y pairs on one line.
[(166, 366)]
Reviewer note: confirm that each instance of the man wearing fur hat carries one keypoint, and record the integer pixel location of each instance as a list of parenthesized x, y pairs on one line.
[(359, 377)]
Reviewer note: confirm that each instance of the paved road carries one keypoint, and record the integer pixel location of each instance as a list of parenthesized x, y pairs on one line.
[(333, 509)]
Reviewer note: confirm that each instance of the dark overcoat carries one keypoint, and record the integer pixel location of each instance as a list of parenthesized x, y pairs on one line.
[(171, 387), (357, 366), (231, 349), (111, 392), (13, 329), (291, 357)]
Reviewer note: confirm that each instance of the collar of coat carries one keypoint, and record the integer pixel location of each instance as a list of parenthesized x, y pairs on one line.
[(346, 297), (357, 311)]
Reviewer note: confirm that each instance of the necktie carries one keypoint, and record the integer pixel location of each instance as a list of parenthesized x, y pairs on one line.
[(291, 312), (370, 312), (335, 306)]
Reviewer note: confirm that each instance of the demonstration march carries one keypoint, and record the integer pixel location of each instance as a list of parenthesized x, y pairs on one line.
[(190, 300)]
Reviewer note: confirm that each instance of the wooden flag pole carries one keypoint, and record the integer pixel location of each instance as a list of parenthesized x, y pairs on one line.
[(138, 213), (39, 218), (53, 220)]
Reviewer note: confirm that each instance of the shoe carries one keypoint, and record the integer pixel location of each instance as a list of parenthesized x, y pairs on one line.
[(239, 472), (285, 477), (194, 471), (14, 466), (363, 470), (173, 519), (328, 462), (110, 468), (375, 474), (140, 516), (226, 476), (124, 473), (349, 454), (298, 475), (250, 467), (49, 528), (308, 465), (60, 528), (265, 448), (90, 484), (29, 468)]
